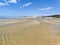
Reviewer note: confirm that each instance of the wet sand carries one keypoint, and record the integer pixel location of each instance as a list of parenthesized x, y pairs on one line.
[(31, 32)]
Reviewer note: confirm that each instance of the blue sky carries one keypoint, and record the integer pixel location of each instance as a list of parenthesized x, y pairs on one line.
[(17, 8)]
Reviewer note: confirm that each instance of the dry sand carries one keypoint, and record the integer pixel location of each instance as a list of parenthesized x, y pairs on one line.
[(33, 32)]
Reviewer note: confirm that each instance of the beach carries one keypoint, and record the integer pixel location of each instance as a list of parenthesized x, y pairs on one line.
[(30, 32)]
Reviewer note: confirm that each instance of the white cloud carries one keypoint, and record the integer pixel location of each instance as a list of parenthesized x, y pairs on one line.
[(48, 8), (26, 5), (12, 1), (6, 2), (3, 4)]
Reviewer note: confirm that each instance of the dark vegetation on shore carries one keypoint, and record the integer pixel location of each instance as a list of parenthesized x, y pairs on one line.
[(56, 16)]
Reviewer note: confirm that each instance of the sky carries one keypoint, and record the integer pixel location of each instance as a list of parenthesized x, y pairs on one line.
[(17, 8)]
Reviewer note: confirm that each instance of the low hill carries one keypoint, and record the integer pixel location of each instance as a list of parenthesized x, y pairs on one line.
[(56, 16)]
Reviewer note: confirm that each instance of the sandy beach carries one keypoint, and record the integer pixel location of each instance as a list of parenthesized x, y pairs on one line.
[(30, 32)]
